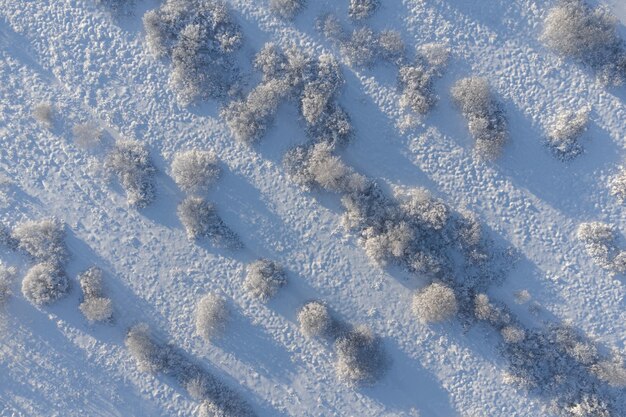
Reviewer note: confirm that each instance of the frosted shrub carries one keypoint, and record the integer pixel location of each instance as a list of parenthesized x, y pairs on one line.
[(564, 133), (599, 239), (286, 9), (589, 406), (361, 49), (150, 357), (360, 358), (417, 89), (322, 89), (264, 278), (200, 219), (131, 163), (211, 316), (362, 9), (44, 283), (391, 45), (434, 303), (271, 61), (512, 334), (87, 135), (6, 280), (617, 185), (485, 119), (44, 240), (91, 282), (44, 114), (97, 309), (195, 171), (315, 319), (330, 26), (199, 36), (332, 127), (574, 29)]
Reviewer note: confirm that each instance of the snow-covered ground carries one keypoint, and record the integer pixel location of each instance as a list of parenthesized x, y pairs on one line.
[(93, 66)]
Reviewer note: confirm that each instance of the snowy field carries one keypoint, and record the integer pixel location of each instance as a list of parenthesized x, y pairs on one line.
[(92, 65)]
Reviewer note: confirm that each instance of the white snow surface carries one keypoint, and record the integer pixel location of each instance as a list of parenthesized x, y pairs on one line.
[(93, 66)]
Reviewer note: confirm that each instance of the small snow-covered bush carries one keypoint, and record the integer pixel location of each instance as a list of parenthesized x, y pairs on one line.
[(200, 219), (315, 319), (44, 114), (211, 316), (320, 91), (332, 127), (574, 29), (362, 9), (600, 243), (360, 357), (617, 185), (271, 61), (44, 283), (130, 162), (6, 280), (286, 9), (148, 354), (434, 303), (264, 278), (97, 309), (564, 133), (87, 135), (512, 334), (361, 49), (417, 89), (44, 240), (91, 282), (589, 406), (195, 171), (485, 118), (330, 26), (391, 45)]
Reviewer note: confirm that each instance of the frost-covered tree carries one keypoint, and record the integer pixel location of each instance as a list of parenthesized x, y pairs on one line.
[(201, 220), (264, 278), (434, 303), (600, 243), (149, 355), (287, 9), (362, 9), (574, 29), (43, 240), (322, 89), (360, 358), (315, 319), (194, 171), (617, 185), (211, 316), (130, 161), (44, 283), (564, 132), (484, 115), (91, 282), (95, 307), (391, 46), (361, 49)]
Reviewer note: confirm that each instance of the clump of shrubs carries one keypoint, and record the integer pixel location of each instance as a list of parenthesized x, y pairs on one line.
[(149, 355), (600, 243), (264, 278), (194, 171), (360, 358), (391, 46), (44, 283), (589, 35), (617, 186), (361, 49), (362, 9), (564, 133), (485, 118), (434, 303), (211, 316), (199, 37), (43, 240), (130, 161), (320, 91), (200, 220), (44, 114), (95, 306), (287, 9), (315, 320)]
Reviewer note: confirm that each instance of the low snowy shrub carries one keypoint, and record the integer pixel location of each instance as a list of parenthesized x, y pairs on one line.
[(319, 92), (362, 9), (286, 9), (44, 283), (417, 88), (194, 171), (264, 278), (564, 133), (148, 354), (130, 162), (361, 49), (485, 118), (211, 316), (315, 319), (332, 127), (6, 281), (600, 243), (91, 282), (617, 185), (87, 135), (589, 406), (44, 114), (360, 358), (330, 26), (574, 29), (96, 309), (44, 240), (512, 334), (200, 220), (434, 303), (391, 46), (271, 61)]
